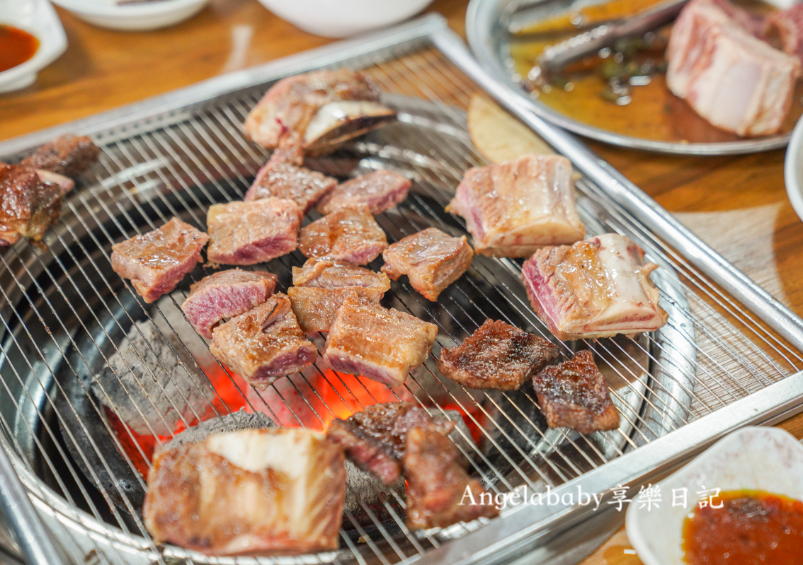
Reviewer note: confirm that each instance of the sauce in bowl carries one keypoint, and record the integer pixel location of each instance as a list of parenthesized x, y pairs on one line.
[(16, 47)]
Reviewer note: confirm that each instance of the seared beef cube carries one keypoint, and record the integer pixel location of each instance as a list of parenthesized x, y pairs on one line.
[(158, 260), (378, 191), (498, 356), (352, 236), (574, 395), (246, 233), (380, 344), (28, 206), (224, 295), (431, 259), (67, 155), (284, 180)]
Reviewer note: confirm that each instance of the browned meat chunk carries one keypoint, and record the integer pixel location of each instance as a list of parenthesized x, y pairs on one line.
[(250, 491), (437, 483), (246, 233), (158, 260), (347, 235), (67, 155), (28, 205), (285, 180), (224, 295), (264, 343), (431, 259), (379, 191), (321, 286), (498, 356), (574, 395), (380, 344)]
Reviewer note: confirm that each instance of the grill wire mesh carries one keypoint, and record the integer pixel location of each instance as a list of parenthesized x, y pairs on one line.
[(64, 313)]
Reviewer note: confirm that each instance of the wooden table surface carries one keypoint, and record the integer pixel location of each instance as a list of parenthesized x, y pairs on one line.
[(736, 204)]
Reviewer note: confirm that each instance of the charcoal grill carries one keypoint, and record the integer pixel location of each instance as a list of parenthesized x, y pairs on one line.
[(728, 356)]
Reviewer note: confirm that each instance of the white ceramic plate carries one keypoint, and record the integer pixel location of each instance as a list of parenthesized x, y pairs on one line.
[(133, 17), (793, 169)]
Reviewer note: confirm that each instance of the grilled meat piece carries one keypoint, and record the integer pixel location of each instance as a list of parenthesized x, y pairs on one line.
[(574, 395), (246, 233), (263, 344), (498, 356), (285, 180), (379, 191), (67, 155), (352, 236), (374, 439), (431, 259), (224, 295), (158, 260), (437, 483), (321, 286), (599, 287), (251, 491), (380, 344), (513, 208), (337, 122), (28, 205)]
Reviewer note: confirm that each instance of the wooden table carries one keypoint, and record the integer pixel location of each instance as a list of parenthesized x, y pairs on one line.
[(736, 204)]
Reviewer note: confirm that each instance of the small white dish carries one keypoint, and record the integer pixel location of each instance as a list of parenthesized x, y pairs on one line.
[(133, 17), (767, 459), (38, 18), (793, 169)]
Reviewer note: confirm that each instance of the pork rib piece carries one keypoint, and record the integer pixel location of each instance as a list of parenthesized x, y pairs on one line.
[(352, 236), (28, 205), (787, 27), (599, 287), (498, 356), (251, 491), (321, 286), (431, 259), (157, 261), (285, 180), (513, 208), (380, 344), (263, 344), (574, 395), (246, 233), (379, 191), (224, 295), (67, 155)]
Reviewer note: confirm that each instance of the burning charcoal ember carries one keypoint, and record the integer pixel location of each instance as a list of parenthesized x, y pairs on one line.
[(28, 205), (378, 191), (285, 180), (264, 343), (158, 260), (498, 356), (233, 422), (321, 286), (352, 236), (437, 483), (246, 233), (431, 259), (224, 295), (380, 344), (513, 208), (574, 395), (275, 491), (595, 288), (67, 155)]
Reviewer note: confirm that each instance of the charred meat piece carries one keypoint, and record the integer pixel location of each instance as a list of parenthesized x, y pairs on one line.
[(379, 191), (67, 155), (574, 395), (437, 483), (264, 343), (380, 344), (513, 208), (599, 287), (28, 206), (285, 180), (498, 356), (158, 260), (246, 233), (431, 259), (251, 491), (352, 236), (321, 286), (224, 295), (374, 439)]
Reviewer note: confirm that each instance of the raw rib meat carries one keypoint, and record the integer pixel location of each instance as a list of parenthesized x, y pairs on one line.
[(431, 259), (284, 180), (513, 208), (28, 205), (379, 191), (158, 260), (66, 155), (599, 287), (346, 235), (224, 295), (787, 27), (574, 395), (246, 233)]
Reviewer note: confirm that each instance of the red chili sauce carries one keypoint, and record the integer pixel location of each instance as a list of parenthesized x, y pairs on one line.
[(751, 527), (16, 47)]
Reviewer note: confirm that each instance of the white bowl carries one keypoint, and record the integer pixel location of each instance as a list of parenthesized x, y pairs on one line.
[(133, 17), (342, 18), (38, 18), (768, 459), (793, 169)]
